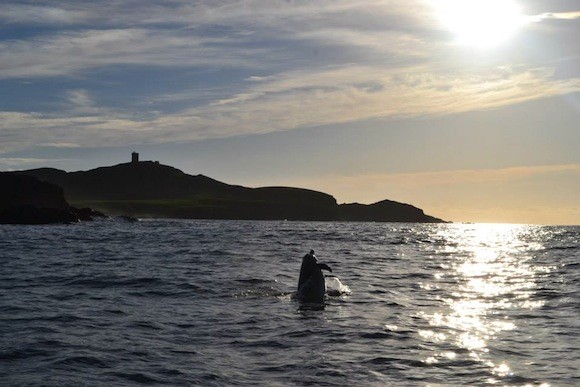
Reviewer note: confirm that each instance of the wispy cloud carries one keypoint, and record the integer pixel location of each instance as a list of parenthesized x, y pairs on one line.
[(81, 99), (314, 62), (38, 14), (246, 33), (557, 15), (360, 93), (288, 101), (18, 163), (73, 53)]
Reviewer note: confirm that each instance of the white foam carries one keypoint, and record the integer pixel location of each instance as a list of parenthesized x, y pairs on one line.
[(334, 287)]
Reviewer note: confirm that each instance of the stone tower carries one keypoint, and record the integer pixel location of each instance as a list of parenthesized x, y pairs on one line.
[(134, 157)]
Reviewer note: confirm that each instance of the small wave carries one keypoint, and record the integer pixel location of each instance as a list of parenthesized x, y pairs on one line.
[(300, 334), (158, 293), (183, 352), (23, 354), (111, 281), (547, 294), (137, 377), (573, 265), (376, 335), (516, 380), (82, 360), (65, 296), (254, 281), (260, 292), (393, 304), (562, 248), (388, 335), (272, 343), (218, 252), (145, 325), (12, 309), (171, 372), (189, 286), (283, 369), (186, 326), (391, 361), (61, 318), (332, 236), (399, 242)]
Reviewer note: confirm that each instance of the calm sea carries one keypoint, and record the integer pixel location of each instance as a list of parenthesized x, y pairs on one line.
[(209, 303)]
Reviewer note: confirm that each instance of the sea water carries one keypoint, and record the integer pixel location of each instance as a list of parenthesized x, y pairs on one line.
[(184, 302)]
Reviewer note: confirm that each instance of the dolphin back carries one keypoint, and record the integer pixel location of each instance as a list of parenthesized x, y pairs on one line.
[(311, 284)]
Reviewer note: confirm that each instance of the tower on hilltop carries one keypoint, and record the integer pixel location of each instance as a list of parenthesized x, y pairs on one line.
[(134, 157)]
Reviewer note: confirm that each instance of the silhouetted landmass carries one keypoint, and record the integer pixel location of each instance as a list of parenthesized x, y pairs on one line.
[(27, 200), (148, 189), (385, 211)]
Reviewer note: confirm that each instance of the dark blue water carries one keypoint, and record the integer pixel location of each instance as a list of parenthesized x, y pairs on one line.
[(209, 303)]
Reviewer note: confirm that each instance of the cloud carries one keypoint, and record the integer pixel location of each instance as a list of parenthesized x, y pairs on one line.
[(349, 94), (37, 14), (557, 16), (18, 163), (73, 53), (241, 34), (80, 98), (287, 101), (377, 60)]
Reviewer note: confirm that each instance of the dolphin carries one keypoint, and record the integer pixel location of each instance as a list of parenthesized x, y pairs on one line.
[(311, 285)]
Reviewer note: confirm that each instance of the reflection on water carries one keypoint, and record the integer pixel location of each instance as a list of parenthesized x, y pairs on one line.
[(207, 303), (485, 274)]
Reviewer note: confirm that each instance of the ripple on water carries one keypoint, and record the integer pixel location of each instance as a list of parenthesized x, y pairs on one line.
[(209, 303)]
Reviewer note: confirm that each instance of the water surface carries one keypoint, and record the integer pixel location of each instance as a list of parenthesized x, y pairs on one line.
[(209, 303)]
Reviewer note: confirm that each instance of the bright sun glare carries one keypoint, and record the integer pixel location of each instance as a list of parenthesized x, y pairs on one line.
[(480, 23)]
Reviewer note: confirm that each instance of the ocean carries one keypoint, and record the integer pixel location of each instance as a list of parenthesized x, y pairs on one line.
[(193, 302)]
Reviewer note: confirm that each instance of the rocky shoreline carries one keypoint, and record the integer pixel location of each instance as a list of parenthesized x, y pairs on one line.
[(26, 200)]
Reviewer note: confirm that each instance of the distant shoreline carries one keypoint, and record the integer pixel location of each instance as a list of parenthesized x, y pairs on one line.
[(146, 189)]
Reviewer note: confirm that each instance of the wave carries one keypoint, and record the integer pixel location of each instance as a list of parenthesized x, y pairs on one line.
[(74, 361), (138, 377), (26, 353), (113, 281), (192, 303)]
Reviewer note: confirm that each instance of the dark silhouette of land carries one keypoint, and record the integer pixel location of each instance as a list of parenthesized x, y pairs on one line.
[(150, 189), (27, 200)]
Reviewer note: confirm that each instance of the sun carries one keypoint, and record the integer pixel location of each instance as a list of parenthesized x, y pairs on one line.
[(480, 23)]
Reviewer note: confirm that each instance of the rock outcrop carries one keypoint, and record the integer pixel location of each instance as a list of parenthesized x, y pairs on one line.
[(384, 211), (27, 200)]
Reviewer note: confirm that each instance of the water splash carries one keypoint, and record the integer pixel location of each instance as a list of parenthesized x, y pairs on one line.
[(334, 287)]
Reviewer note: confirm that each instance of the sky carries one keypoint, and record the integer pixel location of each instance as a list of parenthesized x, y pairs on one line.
[(468, 109)]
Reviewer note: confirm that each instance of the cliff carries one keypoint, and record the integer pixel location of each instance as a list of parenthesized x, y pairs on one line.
[(148, 189), (27, 200), (20, 190)]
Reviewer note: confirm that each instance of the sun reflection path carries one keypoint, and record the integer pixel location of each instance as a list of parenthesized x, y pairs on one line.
[(487, 274)]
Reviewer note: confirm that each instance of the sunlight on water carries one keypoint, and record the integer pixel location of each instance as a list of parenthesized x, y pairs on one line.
[(210, 303), (491, 276)]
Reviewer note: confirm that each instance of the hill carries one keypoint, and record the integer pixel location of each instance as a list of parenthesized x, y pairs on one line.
[(150, 189)]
